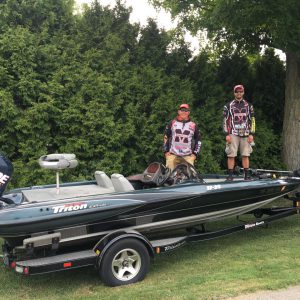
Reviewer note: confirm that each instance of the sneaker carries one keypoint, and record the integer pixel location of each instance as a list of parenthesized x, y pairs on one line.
[(247, 176), (230, 175), (229, 178)]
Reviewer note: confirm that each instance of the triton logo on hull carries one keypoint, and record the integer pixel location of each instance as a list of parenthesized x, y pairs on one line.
[(69, 207)]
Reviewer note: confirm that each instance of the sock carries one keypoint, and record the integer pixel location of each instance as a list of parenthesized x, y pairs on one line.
[(230, 172)]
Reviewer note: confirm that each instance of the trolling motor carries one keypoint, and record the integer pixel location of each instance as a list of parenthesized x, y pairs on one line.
[(264, 173), (6, 171)]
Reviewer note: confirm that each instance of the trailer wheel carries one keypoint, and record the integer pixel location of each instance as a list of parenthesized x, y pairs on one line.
[(126, 261)]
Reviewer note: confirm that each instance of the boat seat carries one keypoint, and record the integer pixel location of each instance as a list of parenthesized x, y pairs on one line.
[(58, 161), (121, 184), (103, 180)]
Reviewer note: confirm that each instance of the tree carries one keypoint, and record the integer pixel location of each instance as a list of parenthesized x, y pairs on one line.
[(250, 24), (100, 87), (268, 89), (152, 46), (37, 16)]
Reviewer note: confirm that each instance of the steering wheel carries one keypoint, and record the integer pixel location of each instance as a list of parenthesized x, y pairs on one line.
[(163, 177)]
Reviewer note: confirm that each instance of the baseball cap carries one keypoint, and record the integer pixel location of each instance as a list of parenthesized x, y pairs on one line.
[(238, 87), (184, 105)]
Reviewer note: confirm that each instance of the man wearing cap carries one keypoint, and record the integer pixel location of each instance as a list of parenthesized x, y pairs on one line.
[(182, 139), (239, 127)]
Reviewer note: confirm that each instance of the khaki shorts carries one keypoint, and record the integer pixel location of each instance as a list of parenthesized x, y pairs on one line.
[(173, 160), (238, 143)]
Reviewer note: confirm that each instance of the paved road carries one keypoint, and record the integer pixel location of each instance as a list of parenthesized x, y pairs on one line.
[(292, 293)]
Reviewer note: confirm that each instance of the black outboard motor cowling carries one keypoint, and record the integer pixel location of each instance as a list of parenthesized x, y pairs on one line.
[(6, 171)]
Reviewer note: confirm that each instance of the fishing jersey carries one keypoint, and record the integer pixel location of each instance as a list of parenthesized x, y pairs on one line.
[(239, 118), (182, 138)]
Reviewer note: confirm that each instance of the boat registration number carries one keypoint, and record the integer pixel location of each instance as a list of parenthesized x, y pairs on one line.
[(213, 187)]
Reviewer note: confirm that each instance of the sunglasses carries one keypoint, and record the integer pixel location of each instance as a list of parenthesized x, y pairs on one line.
[(184, 109), (239, 92)]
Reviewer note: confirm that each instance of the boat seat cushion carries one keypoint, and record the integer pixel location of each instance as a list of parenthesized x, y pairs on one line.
[(103, 180), (121, 184), (58, 161)]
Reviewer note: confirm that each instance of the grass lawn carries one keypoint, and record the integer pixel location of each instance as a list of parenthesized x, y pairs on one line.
[(262, 258)]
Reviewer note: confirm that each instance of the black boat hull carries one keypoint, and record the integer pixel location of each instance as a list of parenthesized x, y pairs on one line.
[(84, 219)]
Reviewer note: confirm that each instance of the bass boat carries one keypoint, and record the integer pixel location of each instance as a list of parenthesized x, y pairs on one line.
[(157, 200), (108, 222)]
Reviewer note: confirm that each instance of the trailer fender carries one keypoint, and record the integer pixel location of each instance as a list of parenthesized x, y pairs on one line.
[(103, 245)]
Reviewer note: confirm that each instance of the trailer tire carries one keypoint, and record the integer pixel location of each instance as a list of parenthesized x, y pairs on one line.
[(124, 262)]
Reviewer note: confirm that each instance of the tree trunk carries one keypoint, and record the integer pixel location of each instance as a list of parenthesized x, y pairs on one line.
[(291, 121)]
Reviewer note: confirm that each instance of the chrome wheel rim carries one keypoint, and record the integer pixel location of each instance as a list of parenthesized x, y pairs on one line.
[(126, 264)]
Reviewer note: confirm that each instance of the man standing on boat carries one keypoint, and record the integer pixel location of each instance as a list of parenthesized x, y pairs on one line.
[(182, 139), (239, 127)]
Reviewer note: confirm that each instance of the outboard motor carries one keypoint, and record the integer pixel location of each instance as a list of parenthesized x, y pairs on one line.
[(6, 171)]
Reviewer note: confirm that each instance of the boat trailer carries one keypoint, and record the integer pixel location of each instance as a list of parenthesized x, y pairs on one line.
[(123, 256)]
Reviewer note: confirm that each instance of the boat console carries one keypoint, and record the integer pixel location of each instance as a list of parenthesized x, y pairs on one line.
[(156, 174), (184, 172)]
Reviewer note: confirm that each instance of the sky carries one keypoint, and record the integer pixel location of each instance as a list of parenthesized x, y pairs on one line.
[(142, 10)]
